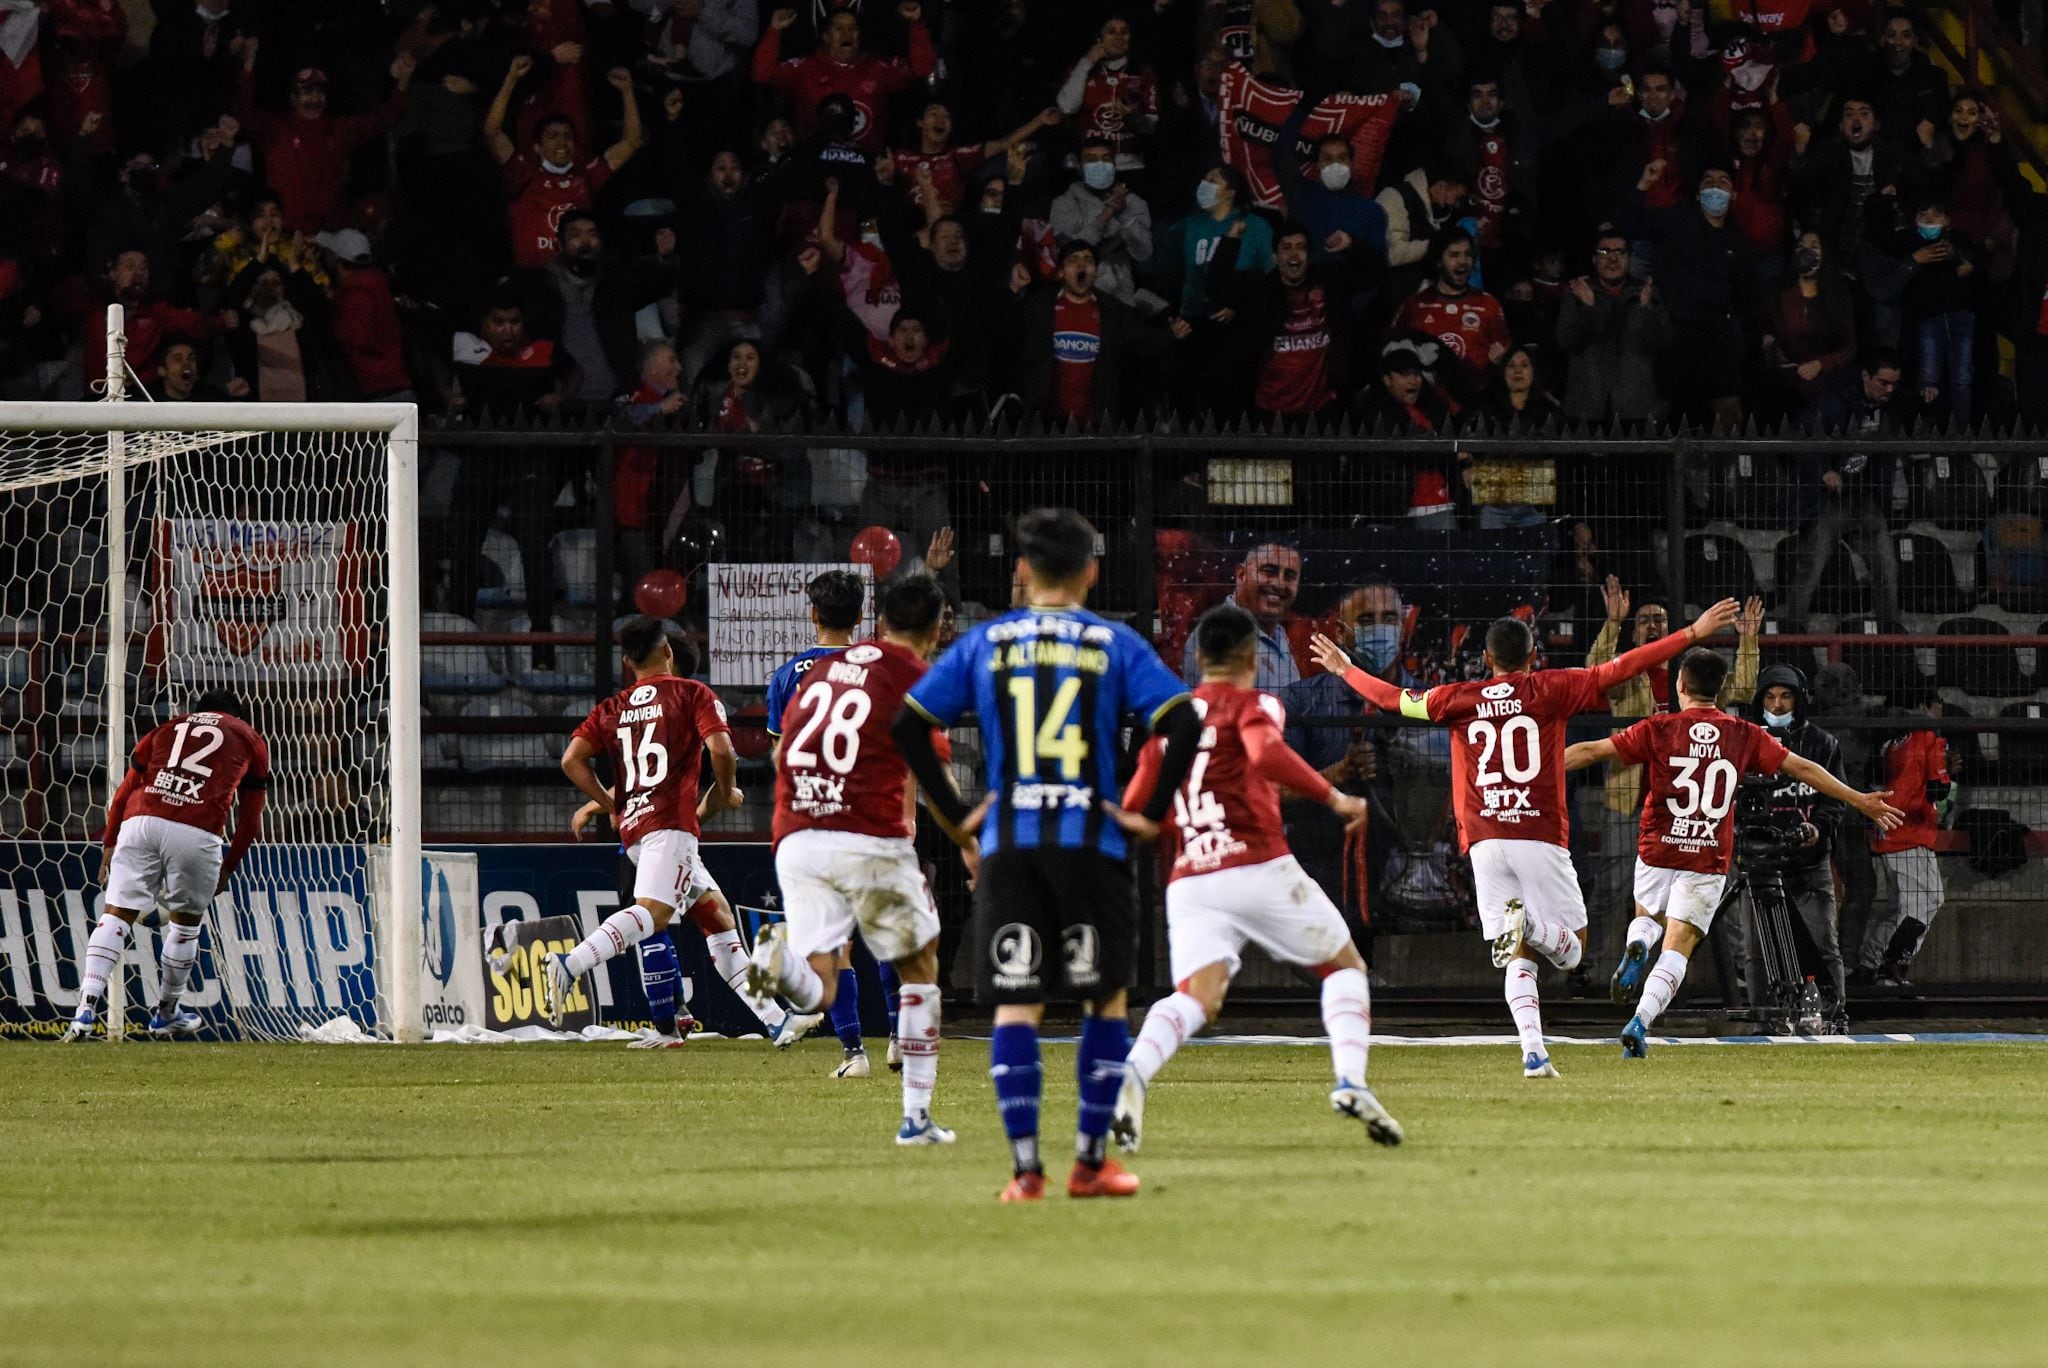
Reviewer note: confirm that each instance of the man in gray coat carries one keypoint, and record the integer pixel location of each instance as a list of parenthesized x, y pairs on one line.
[(1103, 211), (1612, 326)]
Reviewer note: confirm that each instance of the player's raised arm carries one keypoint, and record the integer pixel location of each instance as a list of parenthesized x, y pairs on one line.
[(1623, 668), (1586, 754), (1371, 687), (1871, 805), (576, 764)]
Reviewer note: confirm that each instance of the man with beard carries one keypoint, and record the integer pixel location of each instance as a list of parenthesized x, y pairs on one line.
[(585, 306), (840, 68), (1287, 315), (149, 323), (1267, 581), (1469, 322)]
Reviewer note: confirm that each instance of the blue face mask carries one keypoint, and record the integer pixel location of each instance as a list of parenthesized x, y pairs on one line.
[(1611, 59), (1778, 721), (1207, 193), (1930, 231), (1715, 200), (1376, 647), (1098, 175)]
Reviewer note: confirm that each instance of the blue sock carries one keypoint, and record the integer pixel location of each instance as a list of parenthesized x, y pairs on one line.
[(662, 977), (846, 1010), (1099, 1070), (1020, 1079), (892, 988)]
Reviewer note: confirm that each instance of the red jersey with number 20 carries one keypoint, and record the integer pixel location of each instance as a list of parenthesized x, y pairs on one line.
[(840, 769), (1507, 751), (654, 732), (1694, 759), (1227, 812), (192, 767)]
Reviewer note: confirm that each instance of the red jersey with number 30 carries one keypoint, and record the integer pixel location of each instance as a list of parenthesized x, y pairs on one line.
[(192, 767), (654, 732), (840, 769), (1507, 751), (1694, 760)]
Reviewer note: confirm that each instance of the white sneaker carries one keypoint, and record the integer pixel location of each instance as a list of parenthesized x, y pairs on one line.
[(795, 1026), (855, 1065), (81, 1027), (895, 1056), (1538, 1066), (1128, 1124), (922, 1130), (655, 1040), (556, 985), (764, 966), (1356, 1101), (1510, 939)]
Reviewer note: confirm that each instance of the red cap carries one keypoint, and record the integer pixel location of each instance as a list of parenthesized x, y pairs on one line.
[(310, 76)]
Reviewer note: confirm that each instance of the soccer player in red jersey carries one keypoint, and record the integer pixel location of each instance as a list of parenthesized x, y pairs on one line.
[(845, 816), (652, 731), (1694, 760), (163, 846), (1507, 788), (1233, 880)]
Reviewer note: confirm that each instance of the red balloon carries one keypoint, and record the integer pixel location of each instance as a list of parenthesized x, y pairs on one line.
[(661, 593), (876, 546), (750, 734)]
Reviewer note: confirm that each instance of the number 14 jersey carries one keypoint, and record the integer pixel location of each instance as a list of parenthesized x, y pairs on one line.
[(1694, 760), (654, 731)]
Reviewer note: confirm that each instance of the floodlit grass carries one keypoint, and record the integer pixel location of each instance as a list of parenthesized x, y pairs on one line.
[(725, 1204)]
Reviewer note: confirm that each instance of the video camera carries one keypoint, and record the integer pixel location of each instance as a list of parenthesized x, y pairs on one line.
[(1770, 825)]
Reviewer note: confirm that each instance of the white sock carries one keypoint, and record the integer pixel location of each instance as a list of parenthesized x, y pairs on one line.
[(1645, 931), (1661, 986), (1347, 1016), (729, 958), (1525, 1005), (1552, 939), (1167, 1027), (917, 1035), (180, 949), (626, 927), (102, 953), (798, 981)]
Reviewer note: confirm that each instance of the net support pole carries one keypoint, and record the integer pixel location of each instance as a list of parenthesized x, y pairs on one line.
[(116, 590), (403, 963)]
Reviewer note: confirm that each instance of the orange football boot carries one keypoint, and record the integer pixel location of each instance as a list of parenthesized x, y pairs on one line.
[(1111, 1180)]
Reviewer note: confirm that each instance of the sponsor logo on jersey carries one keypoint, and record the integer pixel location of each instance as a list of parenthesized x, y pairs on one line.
[(864, 655), (1076, 348), (642, 695), (1705, 733), (1047, 797), (1016, 954), (1500, 690)]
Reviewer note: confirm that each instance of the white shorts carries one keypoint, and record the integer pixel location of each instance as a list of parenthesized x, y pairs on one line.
[(1680, 895), (1915, 874), (833, 881), (158, 861), (667, 869), (1276, 906), (1537, 872)]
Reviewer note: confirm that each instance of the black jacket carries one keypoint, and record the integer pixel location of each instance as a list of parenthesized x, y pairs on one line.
[(1809, 742), (621, 291), (1127, 343)]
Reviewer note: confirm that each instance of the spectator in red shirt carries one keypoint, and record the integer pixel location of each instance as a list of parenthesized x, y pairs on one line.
[(642, 495), (950, 166), (1469, 322), (1077, 346), (306, 152), (840, 68), (1113, 97), (1759, 169), (84, 38), (365, 319), (547, 182), (149, 323), (1916, 782)]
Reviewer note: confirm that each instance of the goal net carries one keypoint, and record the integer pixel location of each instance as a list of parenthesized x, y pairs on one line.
[(149, 552)]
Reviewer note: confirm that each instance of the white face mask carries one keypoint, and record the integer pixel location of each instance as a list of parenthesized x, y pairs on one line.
[(1777, 721), (1334, 176), (555, 168), (1098, 175)]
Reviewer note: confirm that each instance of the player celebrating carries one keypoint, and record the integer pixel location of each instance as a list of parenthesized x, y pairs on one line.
[(1051, 683), (844, 818), (163, 846), (1695, 759), (1233, 880), (1507, 777), (654, 730)]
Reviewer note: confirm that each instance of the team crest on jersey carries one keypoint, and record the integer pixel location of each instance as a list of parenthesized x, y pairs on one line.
[(719, 708), (863, 655), (1705, 733), (642, 695), (1497, 691), (1469, 320)]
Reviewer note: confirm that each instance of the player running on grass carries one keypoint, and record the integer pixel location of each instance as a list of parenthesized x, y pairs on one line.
[(1507, 786), (1695, 760), (845, 813), (1234, 881), (163, 846), (654, 731), (1055, 907)]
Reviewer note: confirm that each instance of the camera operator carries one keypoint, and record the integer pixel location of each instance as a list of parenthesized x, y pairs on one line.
[(1782, 702)]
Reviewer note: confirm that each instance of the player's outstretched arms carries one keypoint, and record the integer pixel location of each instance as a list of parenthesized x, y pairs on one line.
[(1871, 805), (1371, 687), (1623, 668), (1586, 754)]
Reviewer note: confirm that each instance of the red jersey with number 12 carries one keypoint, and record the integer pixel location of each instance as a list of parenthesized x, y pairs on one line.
[(840, 769), (192, 767), (1694, 760), (654, 732), (1507, 751)]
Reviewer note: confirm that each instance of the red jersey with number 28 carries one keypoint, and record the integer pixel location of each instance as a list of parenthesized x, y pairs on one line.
[(1695, 760), (1227, 813), (192, 767), (840, 769), (654, 731)]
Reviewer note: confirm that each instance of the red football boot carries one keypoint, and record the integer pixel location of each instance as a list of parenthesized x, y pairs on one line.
[(1111, 1180), (1025, 1187)]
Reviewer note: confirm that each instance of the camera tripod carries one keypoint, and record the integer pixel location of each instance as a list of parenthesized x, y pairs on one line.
[(1777, 1006)]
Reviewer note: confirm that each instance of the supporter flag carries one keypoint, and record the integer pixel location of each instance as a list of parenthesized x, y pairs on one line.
[(1255, 114)]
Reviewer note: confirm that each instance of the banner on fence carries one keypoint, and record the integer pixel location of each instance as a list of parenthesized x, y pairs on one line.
[(760, 617)]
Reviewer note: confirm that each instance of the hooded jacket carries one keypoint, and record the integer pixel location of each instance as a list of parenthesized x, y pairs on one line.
[(1804, 739)]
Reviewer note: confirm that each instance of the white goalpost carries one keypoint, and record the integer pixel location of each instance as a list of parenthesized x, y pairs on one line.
[(150, 551)]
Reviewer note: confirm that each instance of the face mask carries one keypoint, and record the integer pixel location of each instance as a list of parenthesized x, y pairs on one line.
[(1611, 59), (1098, 175), (1207, 194), (1777, 721), (1808, 259), (1483, 127), (1389, 43), (1334, 176), (1929, 231), (871, 239), (1715, 200), (554, 168), (1375, 647)]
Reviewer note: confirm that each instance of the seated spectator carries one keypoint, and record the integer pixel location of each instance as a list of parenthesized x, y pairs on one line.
[(1113, 98), (1809, 328), (1940, 304), (306, 152), (1469, 323), (1612, 327), (1102, 210), (839, 67), (547, 181), (1265, 584)]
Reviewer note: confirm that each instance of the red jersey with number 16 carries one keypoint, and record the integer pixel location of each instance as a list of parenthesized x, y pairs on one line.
[(1694, 760), (654, 731), (840, 769), (192, 766)]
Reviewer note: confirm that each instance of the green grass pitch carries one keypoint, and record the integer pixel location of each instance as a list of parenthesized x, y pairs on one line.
[(725, 1204)]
